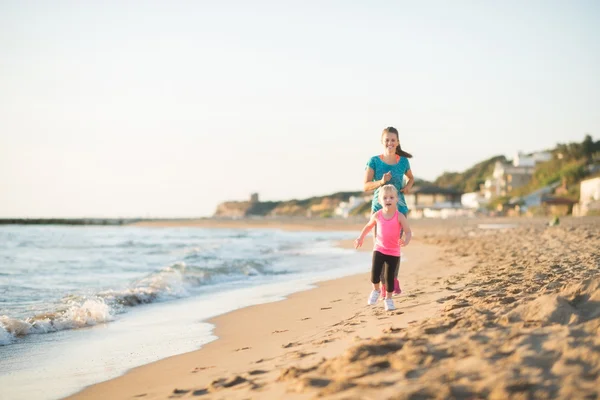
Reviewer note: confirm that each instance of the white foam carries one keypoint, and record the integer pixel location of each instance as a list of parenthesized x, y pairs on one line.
[(168, 282), (5, 337), (91, 312), (14, 327), (88, 313)]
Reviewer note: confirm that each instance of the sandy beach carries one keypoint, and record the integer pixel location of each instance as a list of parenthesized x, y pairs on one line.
[(508, 312)]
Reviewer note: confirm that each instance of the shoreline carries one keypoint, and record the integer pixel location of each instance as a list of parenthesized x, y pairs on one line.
[(301, 315)]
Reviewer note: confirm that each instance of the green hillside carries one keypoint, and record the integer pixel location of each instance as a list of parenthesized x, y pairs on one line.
[(570, 163)]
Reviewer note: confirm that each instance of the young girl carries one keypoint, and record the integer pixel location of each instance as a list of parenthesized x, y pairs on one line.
[(390, 167), (390, 223)]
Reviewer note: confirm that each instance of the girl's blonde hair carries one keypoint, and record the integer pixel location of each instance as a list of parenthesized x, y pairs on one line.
[(386, 189)]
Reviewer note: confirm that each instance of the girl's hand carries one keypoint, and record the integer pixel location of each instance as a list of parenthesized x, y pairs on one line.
[(358, 242), (403, 242), (405, 190)]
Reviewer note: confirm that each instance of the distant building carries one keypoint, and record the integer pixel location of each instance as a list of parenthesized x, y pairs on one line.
[(589, 197), (523, 160), (473, 200), (345, 207), (435, 202), (509, 176), (254, 198), (422, 196), (534, 199), (559, 206)]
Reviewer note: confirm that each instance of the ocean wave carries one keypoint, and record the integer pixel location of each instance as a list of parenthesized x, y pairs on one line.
[(89, 312), (175, 281), (167, 283)]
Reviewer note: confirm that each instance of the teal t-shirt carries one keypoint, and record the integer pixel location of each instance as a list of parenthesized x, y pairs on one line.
[(398, 171)]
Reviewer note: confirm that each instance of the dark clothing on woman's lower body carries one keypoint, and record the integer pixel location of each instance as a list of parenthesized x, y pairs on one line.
[(384, 266)]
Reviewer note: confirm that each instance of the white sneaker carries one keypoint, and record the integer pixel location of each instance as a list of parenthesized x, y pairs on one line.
[(388, 304), (373, 297)]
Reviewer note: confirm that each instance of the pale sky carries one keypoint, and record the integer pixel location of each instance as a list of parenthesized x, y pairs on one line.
[(166, 108)]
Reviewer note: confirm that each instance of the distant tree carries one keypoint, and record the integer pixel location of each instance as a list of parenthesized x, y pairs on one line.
[(589, 148)]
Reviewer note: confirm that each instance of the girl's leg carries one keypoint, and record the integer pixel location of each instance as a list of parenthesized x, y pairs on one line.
[(390, 266), (395, 270), (376, 269)]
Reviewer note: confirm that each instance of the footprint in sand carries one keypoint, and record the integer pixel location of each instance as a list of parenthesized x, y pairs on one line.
[(304, 319), (243, 348), (325, 308), (444, 299), (257, 372), (201, 369), (285, 330), (290, 344), (226, 383), (323, 341), (454, 306), (299, 354)]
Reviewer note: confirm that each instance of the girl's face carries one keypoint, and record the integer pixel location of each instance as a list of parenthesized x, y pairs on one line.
[(389, 199), (390, 141)]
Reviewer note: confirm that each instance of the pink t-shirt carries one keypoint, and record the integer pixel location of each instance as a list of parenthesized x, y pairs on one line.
[(388, 234)]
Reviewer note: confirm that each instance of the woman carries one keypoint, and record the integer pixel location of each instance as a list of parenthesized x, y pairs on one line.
[(389, 168)]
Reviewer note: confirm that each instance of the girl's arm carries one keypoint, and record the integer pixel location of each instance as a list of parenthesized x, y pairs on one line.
[(409, 183), (407, 232), (358, 242), (369, 184)]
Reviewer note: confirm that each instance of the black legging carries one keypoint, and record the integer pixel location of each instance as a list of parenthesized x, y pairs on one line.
[(391, 262), (374, 238)]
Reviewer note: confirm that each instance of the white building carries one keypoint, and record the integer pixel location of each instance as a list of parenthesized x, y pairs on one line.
[(345, 207), (590, 190), (589, 197), (542, 156), (473, 200), (509, 176), (523, 160)]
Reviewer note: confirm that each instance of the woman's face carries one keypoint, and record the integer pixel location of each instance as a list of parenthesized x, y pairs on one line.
[(390, 141)]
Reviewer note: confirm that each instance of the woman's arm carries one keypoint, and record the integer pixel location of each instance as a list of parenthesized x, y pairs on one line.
[(409, 183), (369, 184), (407, 232)]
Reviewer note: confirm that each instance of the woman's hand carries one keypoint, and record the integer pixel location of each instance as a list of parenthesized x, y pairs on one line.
[(386, 177)]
